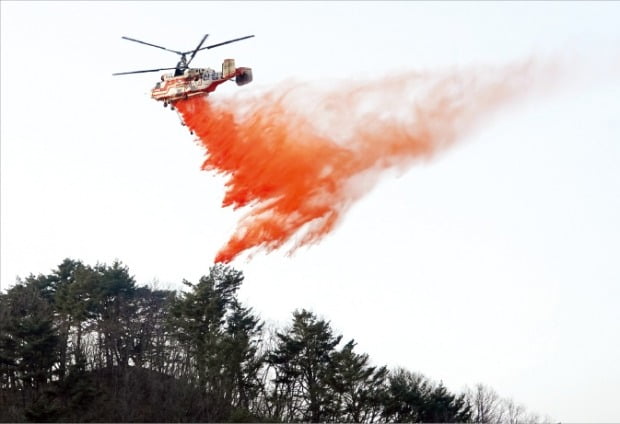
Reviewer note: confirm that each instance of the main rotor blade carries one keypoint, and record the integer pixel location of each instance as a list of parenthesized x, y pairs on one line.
[(197, 48), (142, 72), (226, 42), (152, 45)]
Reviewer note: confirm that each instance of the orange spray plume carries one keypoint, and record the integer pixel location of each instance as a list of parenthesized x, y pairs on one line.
[(297, 156)]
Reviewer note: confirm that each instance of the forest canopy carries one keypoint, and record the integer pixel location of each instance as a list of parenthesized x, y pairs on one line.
[(86, 343)]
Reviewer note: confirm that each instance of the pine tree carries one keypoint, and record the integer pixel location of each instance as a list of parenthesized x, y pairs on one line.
[(303, 362), (241, 346), (220, 340), (73, 304), (113, 292), (359, 386), (29, 345), (406, 396), (412, 397)]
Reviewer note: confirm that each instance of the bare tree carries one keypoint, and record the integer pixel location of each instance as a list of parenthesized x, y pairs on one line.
[(515, 413), (486, 404)]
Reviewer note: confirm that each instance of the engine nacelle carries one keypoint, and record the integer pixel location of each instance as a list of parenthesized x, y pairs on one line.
[(244, 76), (228, 68)]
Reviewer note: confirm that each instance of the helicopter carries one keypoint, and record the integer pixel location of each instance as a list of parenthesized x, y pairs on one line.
[(186, 82)]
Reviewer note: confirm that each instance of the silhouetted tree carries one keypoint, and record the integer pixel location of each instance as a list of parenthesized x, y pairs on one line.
[(359, 387), (114, 291), (73, 303), (414, 398), (219, 337), (29, 346), (304, 369)]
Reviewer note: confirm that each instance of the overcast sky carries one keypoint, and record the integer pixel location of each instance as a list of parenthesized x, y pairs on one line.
[(497, 262)]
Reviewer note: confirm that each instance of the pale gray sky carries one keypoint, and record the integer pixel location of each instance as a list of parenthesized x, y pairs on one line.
[(497, 262)]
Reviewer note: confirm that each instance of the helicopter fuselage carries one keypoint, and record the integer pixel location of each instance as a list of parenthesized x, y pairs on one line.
[(198, 81)]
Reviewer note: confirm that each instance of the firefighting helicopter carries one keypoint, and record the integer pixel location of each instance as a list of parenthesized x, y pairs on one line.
[(187, 82)]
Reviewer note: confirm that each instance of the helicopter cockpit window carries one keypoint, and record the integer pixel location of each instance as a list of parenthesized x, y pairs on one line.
[(158, 85), (209, 74)]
